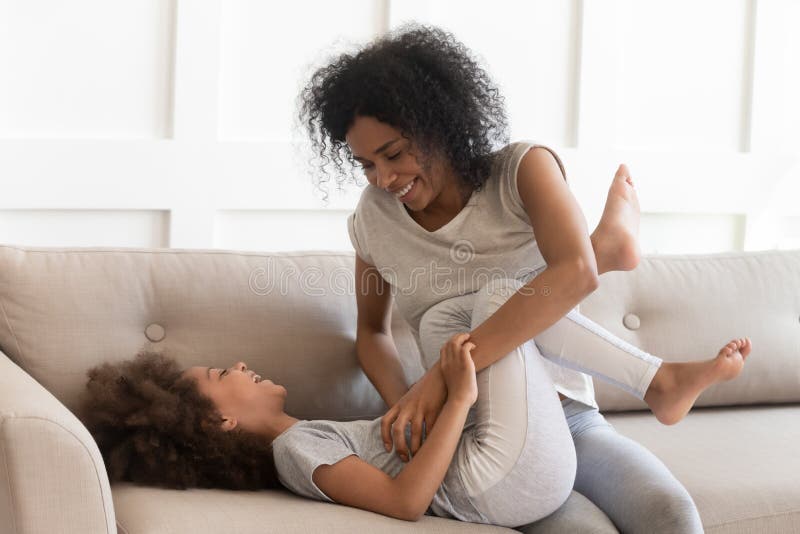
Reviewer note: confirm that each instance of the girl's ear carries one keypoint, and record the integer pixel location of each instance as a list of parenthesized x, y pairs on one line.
[(228, 423)]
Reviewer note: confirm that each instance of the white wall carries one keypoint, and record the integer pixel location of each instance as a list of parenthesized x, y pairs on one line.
[(169, 123)]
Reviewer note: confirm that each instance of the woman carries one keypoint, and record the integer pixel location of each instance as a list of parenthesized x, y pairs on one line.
[(158, 424), (442, 208)]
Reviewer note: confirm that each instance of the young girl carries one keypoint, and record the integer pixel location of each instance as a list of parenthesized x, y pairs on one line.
[(443, 212), (156, 423)]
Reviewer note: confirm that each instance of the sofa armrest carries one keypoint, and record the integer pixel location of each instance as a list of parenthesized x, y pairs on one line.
[(52, 476)]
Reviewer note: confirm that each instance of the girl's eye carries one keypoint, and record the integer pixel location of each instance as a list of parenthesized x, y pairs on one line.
[(223, 373), (394, 156)]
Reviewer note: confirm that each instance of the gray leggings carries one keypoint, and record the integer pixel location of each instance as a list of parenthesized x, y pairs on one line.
[(628, 488), (519, 456)]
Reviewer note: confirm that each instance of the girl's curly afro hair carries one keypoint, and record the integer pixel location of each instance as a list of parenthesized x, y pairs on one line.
[(418, 79), (154, 427)]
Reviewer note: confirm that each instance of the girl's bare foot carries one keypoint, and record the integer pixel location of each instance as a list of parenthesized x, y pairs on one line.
[(616, 238), (676, 386)]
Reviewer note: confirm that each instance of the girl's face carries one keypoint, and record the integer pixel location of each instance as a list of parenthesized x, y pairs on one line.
[(241, 396), (390, 162)]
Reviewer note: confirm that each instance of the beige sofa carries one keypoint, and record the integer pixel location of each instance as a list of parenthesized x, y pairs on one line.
[(291, 316)]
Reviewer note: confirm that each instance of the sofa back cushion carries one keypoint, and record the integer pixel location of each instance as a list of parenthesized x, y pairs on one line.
[(290, 316)]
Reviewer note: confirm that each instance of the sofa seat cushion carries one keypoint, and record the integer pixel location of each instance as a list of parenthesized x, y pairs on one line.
[(143, 510), (740, 465)]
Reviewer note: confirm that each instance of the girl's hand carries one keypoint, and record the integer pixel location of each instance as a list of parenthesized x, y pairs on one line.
[(459, 369)]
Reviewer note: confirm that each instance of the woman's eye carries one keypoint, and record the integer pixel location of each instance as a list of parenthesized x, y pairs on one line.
[(222, 373), (394, 156)]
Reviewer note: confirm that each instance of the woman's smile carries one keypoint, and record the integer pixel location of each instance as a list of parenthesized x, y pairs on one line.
[(407, 193)]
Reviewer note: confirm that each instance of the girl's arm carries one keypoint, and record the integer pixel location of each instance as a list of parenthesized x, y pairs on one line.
[(356, 483), (375, 348)]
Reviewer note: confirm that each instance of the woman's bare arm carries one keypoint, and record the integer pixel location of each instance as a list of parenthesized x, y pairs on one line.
[(571, 273), (570, 276), (375, 348)]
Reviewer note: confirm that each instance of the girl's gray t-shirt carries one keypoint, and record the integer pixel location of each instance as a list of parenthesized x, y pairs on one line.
[(307, 444), (490, 237)]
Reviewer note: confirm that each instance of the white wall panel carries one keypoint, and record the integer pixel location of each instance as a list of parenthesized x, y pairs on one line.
[(177, 115), (113, 228), (195, 91), (776, 106), (687, 182), (788, 236), (689, 233), (529, 49), (270, 230), (266, 52), (680, 74), (162, 174), (85, 68)]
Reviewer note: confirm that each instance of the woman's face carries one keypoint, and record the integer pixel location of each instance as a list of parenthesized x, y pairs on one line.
[(390, 162), (242, 397)]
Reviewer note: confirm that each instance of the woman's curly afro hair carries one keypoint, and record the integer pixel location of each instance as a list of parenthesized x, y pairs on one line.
[(154, 427), (418, 79)]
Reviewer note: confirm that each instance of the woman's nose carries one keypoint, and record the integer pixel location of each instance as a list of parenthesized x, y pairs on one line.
[(386, 177), (240, 366)]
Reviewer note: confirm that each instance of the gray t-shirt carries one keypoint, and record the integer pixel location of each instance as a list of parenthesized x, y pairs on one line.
[(308, 444), (490, 237)]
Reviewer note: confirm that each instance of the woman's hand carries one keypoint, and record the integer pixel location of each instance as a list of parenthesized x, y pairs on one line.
[(459, 370), (421, 403)]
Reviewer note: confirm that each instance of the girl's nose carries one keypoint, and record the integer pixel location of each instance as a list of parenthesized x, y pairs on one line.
[(240, 366)]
